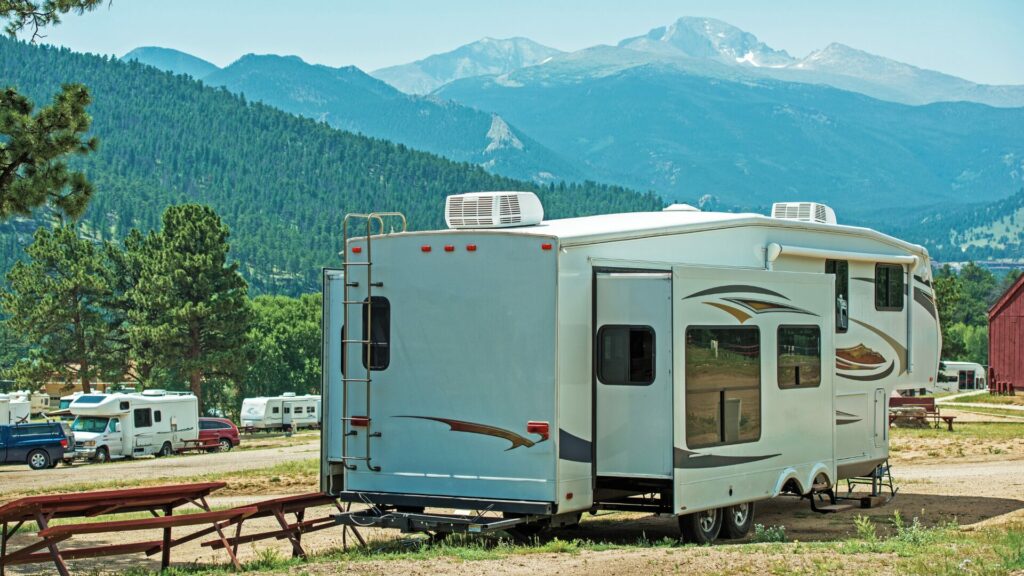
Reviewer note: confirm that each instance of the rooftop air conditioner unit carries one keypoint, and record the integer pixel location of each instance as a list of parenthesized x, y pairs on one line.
[(804, 212), (493, 210)]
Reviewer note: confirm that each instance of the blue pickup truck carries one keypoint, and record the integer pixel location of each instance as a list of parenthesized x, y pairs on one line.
[(39, 444)]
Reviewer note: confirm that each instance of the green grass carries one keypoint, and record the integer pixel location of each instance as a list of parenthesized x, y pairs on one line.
[(994, 411), (986, 398), (964, 431)]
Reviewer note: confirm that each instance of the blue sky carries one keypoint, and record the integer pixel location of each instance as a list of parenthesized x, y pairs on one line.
[(980, 40)]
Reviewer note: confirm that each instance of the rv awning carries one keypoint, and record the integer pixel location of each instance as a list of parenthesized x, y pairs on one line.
[(774, 250)]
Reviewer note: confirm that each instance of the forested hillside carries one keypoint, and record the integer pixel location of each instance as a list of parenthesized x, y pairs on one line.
[(281, 183)]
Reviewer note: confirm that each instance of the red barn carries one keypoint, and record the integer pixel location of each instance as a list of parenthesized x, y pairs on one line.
[(1006, 340)]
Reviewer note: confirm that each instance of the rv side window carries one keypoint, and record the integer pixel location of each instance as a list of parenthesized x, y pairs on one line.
[(276, 410), (156, 416), (723, 386), (379, 349), (287, 410), (625, 355), (124, 405), (841, 270), (143, 417), (799, 357), (298, 409), (888, 287), (113, 425), (311, 410)]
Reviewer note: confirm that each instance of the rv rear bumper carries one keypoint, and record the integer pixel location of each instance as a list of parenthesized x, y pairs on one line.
[(428, 501), (417, 522)]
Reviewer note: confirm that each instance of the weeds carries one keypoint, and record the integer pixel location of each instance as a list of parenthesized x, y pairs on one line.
[(865, 529), (769, 534)]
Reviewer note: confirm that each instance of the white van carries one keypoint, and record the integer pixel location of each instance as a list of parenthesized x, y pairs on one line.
[(110, 426), (281, 412)]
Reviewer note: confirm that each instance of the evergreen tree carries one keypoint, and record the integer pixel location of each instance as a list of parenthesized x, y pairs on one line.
[(190, 312), (34, 148), (57, 300)]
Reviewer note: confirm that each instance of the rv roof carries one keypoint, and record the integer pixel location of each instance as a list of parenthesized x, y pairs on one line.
[(624, 226)]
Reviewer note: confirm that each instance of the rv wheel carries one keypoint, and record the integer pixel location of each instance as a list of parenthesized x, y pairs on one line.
[(701, 527), (38, 460), (102, 454), (737, 521), (165, 450)]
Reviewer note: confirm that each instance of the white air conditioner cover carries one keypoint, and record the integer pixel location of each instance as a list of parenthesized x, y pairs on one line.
[(493, 210), (804, 212)]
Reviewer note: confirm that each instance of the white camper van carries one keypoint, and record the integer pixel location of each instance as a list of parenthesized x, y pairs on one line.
[(110, 426), (287, 411), (680, 362), (961, 376), (14, 409)]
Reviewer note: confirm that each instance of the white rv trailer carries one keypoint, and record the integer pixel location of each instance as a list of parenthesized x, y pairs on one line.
[(709, 359), (110, 426), (959, 376), (279, 412), (39, 402), (14, 409)]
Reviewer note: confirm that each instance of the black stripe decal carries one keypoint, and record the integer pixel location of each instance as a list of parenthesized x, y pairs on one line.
[(687, 460), (870, 377), (921, 298), (573, 448), (736, 288), (863, 279), (923, 281)]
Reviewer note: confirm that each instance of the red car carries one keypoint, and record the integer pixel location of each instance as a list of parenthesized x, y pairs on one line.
[(219, 433)]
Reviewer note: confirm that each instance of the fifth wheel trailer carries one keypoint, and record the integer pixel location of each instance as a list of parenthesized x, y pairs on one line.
[(680, 362)]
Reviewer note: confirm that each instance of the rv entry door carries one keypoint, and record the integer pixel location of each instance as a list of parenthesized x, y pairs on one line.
[(633, 352)]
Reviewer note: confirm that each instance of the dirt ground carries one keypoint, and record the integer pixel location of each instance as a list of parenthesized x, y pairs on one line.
[(940, 479)]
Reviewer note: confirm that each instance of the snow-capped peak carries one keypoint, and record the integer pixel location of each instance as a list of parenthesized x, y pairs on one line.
[(709, 38)]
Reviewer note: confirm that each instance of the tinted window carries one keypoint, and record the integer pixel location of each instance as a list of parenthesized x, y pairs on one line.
[(841, 270), (379, 348), (156, 416), (91, 399), (799, 360), (723, 386), (298, 409), (204, 425), (311, 409), (888, 287), (143, 417), (625, 355), (32, 430), (276, 410), (287, 410)]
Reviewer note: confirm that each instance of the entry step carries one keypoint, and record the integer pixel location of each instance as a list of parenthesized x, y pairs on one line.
[(833, 508)]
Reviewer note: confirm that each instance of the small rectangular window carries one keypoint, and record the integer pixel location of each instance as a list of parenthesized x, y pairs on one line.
[(799, 357), (723, 386), (143, 417), (625, 355), (277, 410), (889, 287), (311, 410), (841, 270), (287, 410), (298, 409), (379, 337), (124, 406), (156, 416)]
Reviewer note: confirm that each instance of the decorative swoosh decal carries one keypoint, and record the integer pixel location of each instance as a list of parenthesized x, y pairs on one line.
[(870, 377), (921, 298), (736, 288), (846, 418), (573, 448), (735, 312), (901, 351), (860, 354), (692, 460), (483, 429), (762, 306)]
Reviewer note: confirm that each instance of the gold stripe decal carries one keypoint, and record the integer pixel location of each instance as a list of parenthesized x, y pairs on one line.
[(483, 429), (735, 312)]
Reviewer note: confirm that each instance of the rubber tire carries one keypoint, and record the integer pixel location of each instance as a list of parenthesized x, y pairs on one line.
[(102, 455), (733, 529), (225, 445), (697, 529), (38, 460), (165, 450)]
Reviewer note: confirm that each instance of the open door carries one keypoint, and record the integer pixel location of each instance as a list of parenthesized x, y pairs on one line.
[(633, 354)]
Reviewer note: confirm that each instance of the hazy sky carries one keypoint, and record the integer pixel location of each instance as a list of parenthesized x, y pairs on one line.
[(980, 40)]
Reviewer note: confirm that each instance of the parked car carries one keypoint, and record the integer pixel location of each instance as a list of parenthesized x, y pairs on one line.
[(220, 433), (39, 444)]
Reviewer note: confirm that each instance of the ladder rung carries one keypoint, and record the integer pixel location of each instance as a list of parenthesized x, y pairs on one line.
[(354, 458), (356, 342), (351, 302), (360, 418), (346, 380), (357, 264)]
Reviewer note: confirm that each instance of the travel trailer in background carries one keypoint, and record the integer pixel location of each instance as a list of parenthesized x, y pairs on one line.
[(286, 411), (960, 376), (110, 426), (13, 409), (679, 362), (39, 402)]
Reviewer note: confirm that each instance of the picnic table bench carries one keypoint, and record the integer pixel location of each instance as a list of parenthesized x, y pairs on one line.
[(155, 500), (918, 408), (199, 444)]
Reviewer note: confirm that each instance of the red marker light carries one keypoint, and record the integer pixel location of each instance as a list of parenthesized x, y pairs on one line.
[(568, 495), (361, 421), (449, 248), (425, 248), (470, 247), (541, 428), (546, 246), (357, 249)]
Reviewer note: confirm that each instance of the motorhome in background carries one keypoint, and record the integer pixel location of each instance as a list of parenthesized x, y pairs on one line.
[(281, 412), (956, 376), (39, 402), (14, 410), (562, 366), (129, 425)]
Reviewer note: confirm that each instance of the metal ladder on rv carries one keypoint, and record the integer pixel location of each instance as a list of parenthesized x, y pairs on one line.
[(368, 344)]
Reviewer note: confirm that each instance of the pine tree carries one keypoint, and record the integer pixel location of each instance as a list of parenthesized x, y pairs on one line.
[(190, 310), (57, 300)]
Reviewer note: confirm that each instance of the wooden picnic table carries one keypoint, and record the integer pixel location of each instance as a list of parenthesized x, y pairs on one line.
[(160, 501)]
